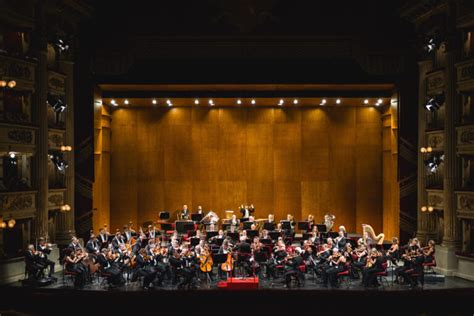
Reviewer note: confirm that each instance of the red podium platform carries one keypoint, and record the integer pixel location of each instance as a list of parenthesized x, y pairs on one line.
[(239, 284)]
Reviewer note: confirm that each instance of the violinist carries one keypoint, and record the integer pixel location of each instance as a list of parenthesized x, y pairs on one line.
[(415, 259), (292, 267), (127, 233), (429, 251), (336, 265), (373, 266), (103, 238), (44, 250), (144, 268), (74, 264), (32, 262), (118, 239), (359, 259), (393, 254), (106, 260), (330, 243), (278, 258), (187, 268), (92, 246), (160, 263), (74, 245)]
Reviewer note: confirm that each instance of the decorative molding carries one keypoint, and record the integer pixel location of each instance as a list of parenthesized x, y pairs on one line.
[(21, 71), (465, 75), (55, 139), (55, 199), (18, 204), (435, 82), (436, 199), (435, 140), (465, 139), (465, 204), (56, 82)]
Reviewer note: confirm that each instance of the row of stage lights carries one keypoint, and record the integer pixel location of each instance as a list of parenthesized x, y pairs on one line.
[(253, 102)]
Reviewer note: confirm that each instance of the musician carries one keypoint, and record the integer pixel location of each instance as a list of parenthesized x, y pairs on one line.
[(145, 269), (429, 252), (278, 258), (393, 254), (343, 230), (245, 212), (33, 264), (292, 268), (44, 250), (118, 239), (416, 259), (199, 210), (359, 259), (348, 252), (265, 234), (92, 246), (291, 219), (127, 233), (184, 212), (368, 241), (187, 268), (336, 265), (107, 264), (103, 238), (74, 245), (340, 240), (329, 221), (271, 219), (330, 243), (151, 232), (374, 265), (74, 264)]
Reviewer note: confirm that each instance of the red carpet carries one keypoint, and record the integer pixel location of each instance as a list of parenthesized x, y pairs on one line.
[(239, 284)]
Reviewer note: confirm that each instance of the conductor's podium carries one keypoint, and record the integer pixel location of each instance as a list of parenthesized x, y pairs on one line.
[(239, 284)]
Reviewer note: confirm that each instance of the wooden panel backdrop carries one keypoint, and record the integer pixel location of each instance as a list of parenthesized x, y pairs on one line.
[(302, 161)]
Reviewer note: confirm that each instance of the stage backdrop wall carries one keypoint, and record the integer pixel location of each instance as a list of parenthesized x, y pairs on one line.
[(299, 161)]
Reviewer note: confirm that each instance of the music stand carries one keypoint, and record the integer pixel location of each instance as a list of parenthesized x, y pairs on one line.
[(233, 236), (321, 228), (333, 235), (307, 236), (303, 226), (196, 217), (219, 258), (266, 241), (285, 225), (274, 235), (247, 225), (251, 234), (164, 215), (166, 226), (269, 226), (209, 235), (194, 241), (183, 226), (218, 241), (225, 226), (242, 220)]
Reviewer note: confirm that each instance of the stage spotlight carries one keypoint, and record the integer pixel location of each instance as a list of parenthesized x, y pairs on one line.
[(126, 101), (169, 102), (281, 102), (12, 155), (379, 101), (433, 162), (253, 101), (154, 101), (211, 102), (56, 102), (239, 101), (113, 102), (338, 101), (295, 101), (196, 101), (58, 159), (366, 101), (435, 102), (323, 101)]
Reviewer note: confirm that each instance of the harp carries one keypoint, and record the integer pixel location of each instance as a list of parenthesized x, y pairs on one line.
[(378, 239)]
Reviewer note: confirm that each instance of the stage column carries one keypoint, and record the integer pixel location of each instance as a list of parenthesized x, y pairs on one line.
[(65, 221), (423, 227), (445, 253), (40, 106)]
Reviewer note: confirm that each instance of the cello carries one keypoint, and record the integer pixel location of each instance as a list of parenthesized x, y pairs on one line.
[(205, 261)]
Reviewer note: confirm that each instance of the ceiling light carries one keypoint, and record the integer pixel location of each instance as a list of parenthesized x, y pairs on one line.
[(154, 101), (323, 101), (281, 102), (239, 102), (295, 101), (126, 101), (211, 102), (379, 101), (366, 101), (113, 102), (3, 83), (196, 101), (11, 84), (338, 101), (253, 101)]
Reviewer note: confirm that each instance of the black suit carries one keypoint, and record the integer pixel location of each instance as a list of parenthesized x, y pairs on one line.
[(33, 266), (144, 269), (45, 261), (117, 241), (92, 247), (293, 269), (115, 277)]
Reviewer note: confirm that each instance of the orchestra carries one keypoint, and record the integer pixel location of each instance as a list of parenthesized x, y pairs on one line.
[(187, 259)]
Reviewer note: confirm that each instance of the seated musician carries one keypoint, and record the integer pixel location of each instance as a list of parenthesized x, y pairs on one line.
[(330, 243), (415, 259), (74, 264), (118, 239), (103, 238), (74, 245), (107, 264), (184, 213), (234, 223), (92, 246), (199, 210), (359, 259), (292, 267), (374, 265), (393, 254), (314, 239), (32, 262), (271, 219), (151, 232), (44, 250), (347, 252), (322, 257), (429, 252), (278, 258), (187, 270), (220, 235), (123, 257), (368, 241), (336, 265), (309, 254), (128, 233), (265, 234), (340, 240), (310, 221), (144, 269)]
